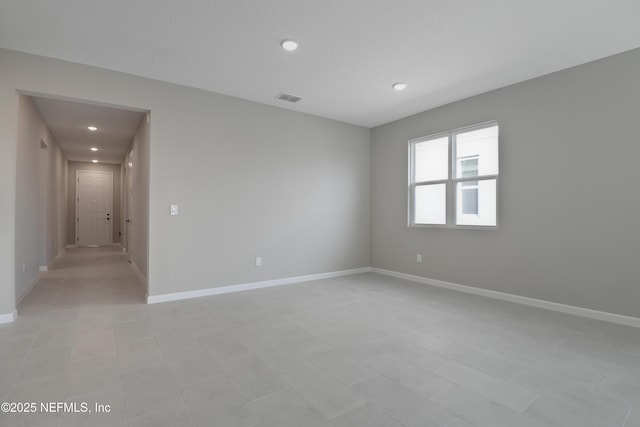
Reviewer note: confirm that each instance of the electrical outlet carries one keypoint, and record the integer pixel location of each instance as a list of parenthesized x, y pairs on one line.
[(419, 258), (258, 261)]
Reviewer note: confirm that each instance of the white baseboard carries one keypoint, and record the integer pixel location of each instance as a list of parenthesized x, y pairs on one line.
[(49, 266), (153, 299), (43, 269), (548, 305), (55, 259), (71, 246), (8, 317)]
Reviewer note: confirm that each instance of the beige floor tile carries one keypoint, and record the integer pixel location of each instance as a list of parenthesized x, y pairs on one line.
[(402, 404), (483, 412), (252, 377), (287, 408), (325, 393), (339, 366), (190, 365), (216, 399), (502, 392), (414, 378), (148, 390), (44, 362), (364, 350), (367, 415), (174, 415), (89, 376)]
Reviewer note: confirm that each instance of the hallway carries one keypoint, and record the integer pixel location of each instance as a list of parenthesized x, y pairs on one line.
[(88, 281)]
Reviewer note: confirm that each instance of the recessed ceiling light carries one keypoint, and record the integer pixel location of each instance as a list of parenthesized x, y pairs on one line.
[(92, 128), (289, 45), (94, 149), (94, 161), (399, 86)]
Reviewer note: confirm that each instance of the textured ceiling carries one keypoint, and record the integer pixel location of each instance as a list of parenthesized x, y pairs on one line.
[(350, 51), (68, 122)]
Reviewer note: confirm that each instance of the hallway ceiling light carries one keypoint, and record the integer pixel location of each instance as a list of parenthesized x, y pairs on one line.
[(93, 149), (399, 86), (94, 161), (289, 45), (92, 128)]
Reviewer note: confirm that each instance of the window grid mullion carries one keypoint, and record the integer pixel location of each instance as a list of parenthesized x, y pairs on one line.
[(474, 178), (440, 181), (450, 202)]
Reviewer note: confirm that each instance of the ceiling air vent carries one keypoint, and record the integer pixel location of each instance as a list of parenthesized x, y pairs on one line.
[(287, 97)]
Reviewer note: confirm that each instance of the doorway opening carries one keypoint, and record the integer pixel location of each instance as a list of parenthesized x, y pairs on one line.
[(82, 182)]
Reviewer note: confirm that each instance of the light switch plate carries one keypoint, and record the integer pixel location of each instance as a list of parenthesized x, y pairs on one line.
[(174, 209)]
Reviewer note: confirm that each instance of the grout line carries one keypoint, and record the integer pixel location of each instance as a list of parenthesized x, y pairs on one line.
[(628, 416), (528, 404), (443, 391), (288, 387)]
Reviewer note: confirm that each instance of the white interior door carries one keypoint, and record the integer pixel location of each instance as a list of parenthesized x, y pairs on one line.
[(94, 200)]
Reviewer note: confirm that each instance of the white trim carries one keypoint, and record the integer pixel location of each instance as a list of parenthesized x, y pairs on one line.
[(55, 259), (81, 101), (533, 302), (153, 299), (8, 317), (71, 246), (45, 268)]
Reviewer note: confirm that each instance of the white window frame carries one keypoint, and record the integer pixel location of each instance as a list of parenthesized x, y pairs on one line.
[(451, 182)]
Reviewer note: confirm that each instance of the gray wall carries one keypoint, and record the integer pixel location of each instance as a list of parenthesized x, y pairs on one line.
[(256, 180), (250, 180), (40, 210), (569, 202), (71, 199)]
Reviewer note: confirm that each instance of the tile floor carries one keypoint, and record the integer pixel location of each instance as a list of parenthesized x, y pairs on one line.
[(364, 350)]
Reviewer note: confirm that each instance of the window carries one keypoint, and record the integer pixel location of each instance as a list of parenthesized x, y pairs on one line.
[(453, 178)]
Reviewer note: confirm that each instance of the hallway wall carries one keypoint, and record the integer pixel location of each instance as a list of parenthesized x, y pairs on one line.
[(40, 214), (139, 171), (71, 199), (135, 176)]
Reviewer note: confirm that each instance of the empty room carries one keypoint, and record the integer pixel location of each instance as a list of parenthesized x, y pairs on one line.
[(320, 213)]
